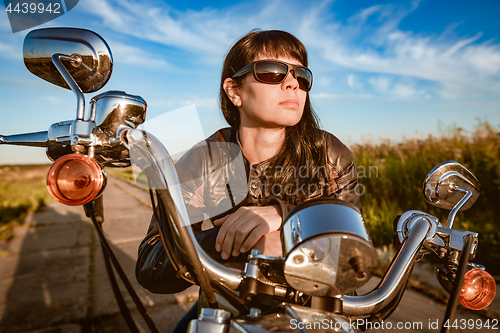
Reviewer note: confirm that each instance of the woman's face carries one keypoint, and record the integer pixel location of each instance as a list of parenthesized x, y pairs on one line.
[(271, 105)]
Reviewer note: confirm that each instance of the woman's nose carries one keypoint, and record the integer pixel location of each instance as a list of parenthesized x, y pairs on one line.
[(291, 81)]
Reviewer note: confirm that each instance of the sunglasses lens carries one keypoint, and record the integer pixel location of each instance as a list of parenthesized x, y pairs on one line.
[(304, 77), (275, 72), (270, 72)]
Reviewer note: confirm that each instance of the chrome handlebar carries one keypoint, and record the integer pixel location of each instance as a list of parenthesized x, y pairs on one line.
[(396, 275), (418, 232), (36, 139), (417, 229)]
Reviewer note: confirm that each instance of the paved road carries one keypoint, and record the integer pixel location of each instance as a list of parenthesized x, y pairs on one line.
[(52, 276)]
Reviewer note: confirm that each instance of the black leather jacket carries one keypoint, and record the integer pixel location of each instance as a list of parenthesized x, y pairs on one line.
[(216, 180)]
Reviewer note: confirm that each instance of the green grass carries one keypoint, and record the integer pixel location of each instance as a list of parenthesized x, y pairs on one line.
[(402, 168), (22, 190), (122, 173)]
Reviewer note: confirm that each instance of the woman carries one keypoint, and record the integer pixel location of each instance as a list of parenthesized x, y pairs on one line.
[(287, 159)]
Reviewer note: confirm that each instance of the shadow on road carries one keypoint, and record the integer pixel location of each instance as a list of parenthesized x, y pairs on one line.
[(53, 278)]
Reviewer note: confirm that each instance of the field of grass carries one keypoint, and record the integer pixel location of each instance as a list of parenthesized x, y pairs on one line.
[(22, 190), (392, 175)]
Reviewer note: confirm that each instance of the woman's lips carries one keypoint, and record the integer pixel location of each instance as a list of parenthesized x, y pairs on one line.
[(291, 102)]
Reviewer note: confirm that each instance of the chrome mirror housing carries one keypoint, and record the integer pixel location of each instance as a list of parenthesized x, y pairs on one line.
[(442, 186), (114, 111), (84, 54)]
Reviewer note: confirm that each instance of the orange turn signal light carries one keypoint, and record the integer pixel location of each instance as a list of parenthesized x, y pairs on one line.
[(478, 289), (75, 179)]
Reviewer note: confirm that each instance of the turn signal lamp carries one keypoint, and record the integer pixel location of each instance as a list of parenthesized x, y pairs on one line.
[(75, 179), (478, 289)]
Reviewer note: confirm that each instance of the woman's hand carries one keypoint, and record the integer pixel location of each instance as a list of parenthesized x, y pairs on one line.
[(241, 230), (270, 244)]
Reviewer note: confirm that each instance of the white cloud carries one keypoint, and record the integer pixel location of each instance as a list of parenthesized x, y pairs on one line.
[(157, 22), (10, 51), (327, 96), (55, 100), (353, 82), (136, 56), (389, 87), (462, 67), (370, 41)]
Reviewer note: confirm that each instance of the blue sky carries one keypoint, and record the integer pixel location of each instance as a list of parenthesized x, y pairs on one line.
[(382, 69)]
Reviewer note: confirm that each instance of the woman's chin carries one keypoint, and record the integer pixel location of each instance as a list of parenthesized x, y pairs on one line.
[(290, 118)]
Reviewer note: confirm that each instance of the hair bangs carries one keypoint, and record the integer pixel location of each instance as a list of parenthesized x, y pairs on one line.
[(276, 44)]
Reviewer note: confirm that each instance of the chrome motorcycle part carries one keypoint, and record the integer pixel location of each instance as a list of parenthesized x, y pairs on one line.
[(150, 156), (211, 320), (114, 111), (58, 133), (408, 218), (296, 318), (454, 240), (446, 274), (395, 278), (451, 186), (75, 179), (86, 57), (449, 315), (327, 248), (36, 139), (80, 99)]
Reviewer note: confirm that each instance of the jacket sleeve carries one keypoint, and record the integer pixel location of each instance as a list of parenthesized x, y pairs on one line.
[(155, 272), (343, 182)]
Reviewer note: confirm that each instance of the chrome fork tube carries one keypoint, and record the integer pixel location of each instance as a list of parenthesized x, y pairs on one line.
[(216, 272), (395, 277)]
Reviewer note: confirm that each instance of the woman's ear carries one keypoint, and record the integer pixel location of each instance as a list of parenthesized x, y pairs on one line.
[(232, 91)]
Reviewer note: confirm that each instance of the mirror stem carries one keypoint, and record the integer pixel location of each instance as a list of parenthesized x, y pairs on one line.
[(454, 211), (80, 99)]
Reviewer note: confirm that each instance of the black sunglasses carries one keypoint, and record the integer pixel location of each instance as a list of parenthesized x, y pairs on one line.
[(275, 72)]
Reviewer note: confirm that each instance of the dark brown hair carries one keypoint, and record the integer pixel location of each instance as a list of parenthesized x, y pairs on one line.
[(304, 144)]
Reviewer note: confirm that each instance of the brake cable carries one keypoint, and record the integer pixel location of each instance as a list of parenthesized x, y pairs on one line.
[(457, 286), (109, 257)]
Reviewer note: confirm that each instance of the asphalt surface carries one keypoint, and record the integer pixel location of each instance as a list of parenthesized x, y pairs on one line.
[(53, 279)]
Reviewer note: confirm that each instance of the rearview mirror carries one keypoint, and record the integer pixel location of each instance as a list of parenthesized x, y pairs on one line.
[(442, 186), (83, 53)]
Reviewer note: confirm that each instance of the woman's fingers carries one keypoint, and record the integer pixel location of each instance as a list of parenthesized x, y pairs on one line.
[(240, 231), (253, 237), (221, 244), (242, 234), (239, 228), (220, 221)]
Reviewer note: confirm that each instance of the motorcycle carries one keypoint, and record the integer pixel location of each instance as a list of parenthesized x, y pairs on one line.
[(312, 286)]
